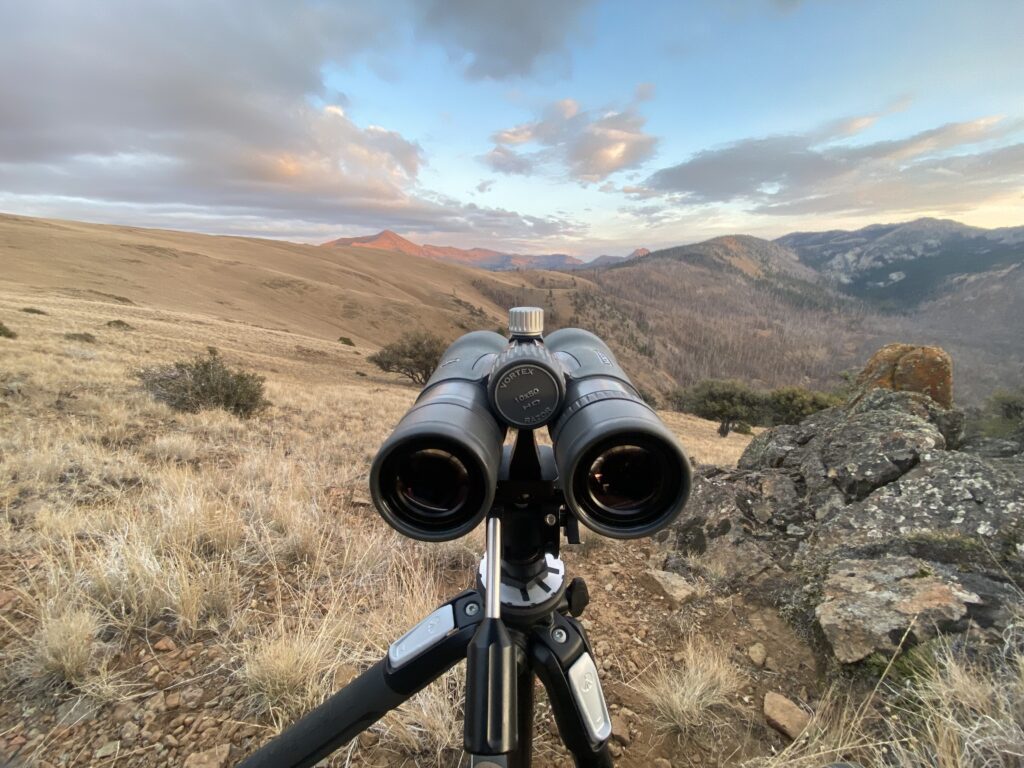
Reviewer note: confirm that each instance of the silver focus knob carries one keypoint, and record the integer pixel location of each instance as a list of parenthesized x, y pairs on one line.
[(526, 321)]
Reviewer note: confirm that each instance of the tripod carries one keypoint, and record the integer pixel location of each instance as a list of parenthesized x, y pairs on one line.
[(525, 625)]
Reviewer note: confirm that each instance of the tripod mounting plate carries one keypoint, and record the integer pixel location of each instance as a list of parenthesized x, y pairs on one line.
[(547, 586)]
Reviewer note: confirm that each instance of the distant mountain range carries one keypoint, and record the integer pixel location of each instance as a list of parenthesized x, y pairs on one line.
[(482, 258), (894, 265)]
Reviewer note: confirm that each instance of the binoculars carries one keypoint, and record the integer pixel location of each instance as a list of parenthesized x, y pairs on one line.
[(620, 470)]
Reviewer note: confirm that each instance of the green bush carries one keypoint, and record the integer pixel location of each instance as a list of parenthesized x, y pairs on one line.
[(7, 333), (733, 403), (726, 402), (346, 341), (415, 355), (1003, 414), (205, 382), (743, 428), (791, 405)]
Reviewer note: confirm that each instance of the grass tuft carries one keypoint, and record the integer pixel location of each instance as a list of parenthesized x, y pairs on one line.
[(7, 333), (84, 337), (697, 692)]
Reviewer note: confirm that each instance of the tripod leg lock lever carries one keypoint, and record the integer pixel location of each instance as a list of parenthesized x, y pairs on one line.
[(425, 635)]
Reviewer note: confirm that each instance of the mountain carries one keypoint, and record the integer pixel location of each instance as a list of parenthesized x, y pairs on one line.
[(482, 258), (751, 256), (607, 261), (900, 265), (279, 286)]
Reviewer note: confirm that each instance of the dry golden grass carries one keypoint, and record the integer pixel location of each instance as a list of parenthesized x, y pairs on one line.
[(950, 710), (697, 691)]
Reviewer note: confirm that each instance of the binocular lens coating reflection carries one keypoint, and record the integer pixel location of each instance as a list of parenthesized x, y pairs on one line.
[(432, 482), (624, 478)]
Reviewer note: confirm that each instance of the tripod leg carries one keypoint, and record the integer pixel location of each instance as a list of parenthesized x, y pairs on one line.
[(521, 756), (561, 657), (414, 661)]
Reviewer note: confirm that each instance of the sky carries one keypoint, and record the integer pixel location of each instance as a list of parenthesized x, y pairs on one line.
[(534, 126)]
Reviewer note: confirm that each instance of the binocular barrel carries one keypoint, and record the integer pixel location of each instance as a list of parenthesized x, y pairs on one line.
[(434, 478), (621, 471)]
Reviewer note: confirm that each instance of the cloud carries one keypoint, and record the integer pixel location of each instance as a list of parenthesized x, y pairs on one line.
[(200, 114), (948, 168), (500, 39), (588, 145), (485, 186)]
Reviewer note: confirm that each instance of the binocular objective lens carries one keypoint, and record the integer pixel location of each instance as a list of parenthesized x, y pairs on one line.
[(432, 481), (625, 478)]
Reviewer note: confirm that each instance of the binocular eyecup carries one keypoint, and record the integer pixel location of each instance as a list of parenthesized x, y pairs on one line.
[(621, 471)]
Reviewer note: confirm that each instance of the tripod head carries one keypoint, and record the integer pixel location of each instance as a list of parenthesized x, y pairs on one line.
[(619, 470)]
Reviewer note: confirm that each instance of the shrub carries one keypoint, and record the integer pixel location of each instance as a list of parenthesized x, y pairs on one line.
[(88, 338), (33, 311), (346, 341), (791, 405), (7, 333), (1003, 414), (743, 428), (205, 382), (415, 355), (120, 325), (726, 402)]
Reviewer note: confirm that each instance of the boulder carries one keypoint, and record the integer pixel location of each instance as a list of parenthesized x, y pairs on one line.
[(879, 605), (217, 757), (908, 368)]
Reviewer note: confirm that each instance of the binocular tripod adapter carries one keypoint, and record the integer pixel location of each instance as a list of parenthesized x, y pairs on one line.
[(613, 466)]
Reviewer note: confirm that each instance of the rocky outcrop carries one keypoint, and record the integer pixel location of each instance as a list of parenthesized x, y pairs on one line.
[(906, 368), (869, 516)]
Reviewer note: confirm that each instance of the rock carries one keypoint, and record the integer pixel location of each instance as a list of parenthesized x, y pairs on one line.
[(620, 730), (164, 644), (107, 750), (669, 585), (757, 654), (784, 716), (906, 368), (992, 448), (76, 711), (217, 757), (871, 605), (129, 732)]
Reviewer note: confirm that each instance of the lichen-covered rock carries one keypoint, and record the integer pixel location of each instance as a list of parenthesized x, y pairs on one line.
[(876, 605), (908, 368), (921, 530)]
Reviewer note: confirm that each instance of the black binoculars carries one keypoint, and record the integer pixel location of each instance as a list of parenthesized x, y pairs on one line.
[(621, 471)]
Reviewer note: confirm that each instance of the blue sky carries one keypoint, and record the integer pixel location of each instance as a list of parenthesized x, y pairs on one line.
[(585, 127)]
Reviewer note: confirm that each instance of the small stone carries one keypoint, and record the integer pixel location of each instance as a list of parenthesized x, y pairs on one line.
[(163, 680), (173, 700), (757, 654), (107, 750), (620, 729), (211, 758), (671, 586), (164, 644), (192, 696), (129, 732), (615, 748), (784, 716), (170, 741)]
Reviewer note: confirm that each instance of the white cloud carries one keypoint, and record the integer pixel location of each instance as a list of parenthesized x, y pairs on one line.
[(587, 145)]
